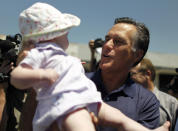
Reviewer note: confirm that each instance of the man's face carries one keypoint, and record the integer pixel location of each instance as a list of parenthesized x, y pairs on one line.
[(117, 53)]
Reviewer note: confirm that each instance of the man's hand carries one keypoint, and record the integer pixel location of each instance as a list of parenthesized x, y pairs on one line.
[(91, 45), (94, 119)]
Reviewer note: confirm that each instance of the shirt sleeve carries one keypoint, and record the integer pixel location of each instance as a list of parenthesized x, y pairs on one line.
[(149, 114), (33, 59)]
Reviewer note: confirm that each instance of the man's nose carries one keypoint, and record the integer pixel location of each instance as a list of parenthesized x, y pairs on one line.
[(109, 44)]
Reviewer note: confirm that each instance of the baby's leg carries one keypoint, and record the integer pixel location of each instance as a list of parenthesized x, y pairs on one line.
[(79, 120)]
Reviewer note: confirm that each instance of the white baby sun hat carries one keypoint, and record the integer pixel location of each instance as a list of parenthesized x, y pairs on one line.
[(42, 22)]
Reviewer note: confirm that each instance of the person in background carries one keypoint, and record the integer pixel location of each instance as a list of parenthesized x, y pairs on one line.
[(5, 68), (95, 50), (11, 99), (172, 87), (144, 73)]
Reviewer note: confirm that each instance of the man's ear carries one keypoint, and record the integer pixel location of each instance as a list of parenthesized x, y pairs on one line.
[(138, 55)]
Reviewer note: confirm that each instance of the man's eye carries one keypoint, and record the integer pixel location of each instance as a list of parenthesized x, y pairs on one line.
[(107, 39), (117, 42), (133, 73)]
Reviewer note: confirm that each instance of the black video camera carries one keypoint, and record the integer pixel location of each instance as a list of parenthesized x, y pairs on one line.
[(9, 49), (98, 43)]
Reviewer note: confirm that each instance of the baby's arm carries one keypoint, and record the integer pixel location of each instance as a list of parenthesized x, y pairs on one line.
[(110, 116), (23, 77)]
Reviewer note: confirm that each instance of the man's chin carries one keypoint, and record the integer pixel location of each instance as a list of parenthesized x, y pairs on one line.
[(104, 66)]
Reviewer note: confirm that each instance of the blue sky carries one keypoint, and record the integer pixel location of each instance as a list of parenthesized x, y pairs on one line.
[(97, 17)]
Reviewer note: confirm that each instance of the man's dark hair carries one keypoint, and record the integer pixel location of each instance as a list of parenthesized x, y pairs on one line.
[(143, 35)]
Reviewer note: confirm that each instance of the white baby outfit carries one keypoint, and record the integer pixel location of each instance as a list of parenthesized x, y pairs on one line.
[(71, 91)]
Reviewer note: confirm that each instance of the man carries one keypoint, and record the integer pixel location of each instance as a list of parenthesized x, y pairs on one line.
[(126, 43), (95, 49), (144, 73), (9, 99), (4, 69)]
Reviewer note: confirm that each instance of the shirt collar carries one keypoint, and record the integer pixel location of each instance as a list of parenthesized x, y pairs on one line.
[(127, 88), (48, 45)]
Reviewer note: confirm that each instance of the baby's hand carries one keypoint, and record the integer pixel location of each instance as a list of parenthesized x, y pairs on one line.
[(49, 75)]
